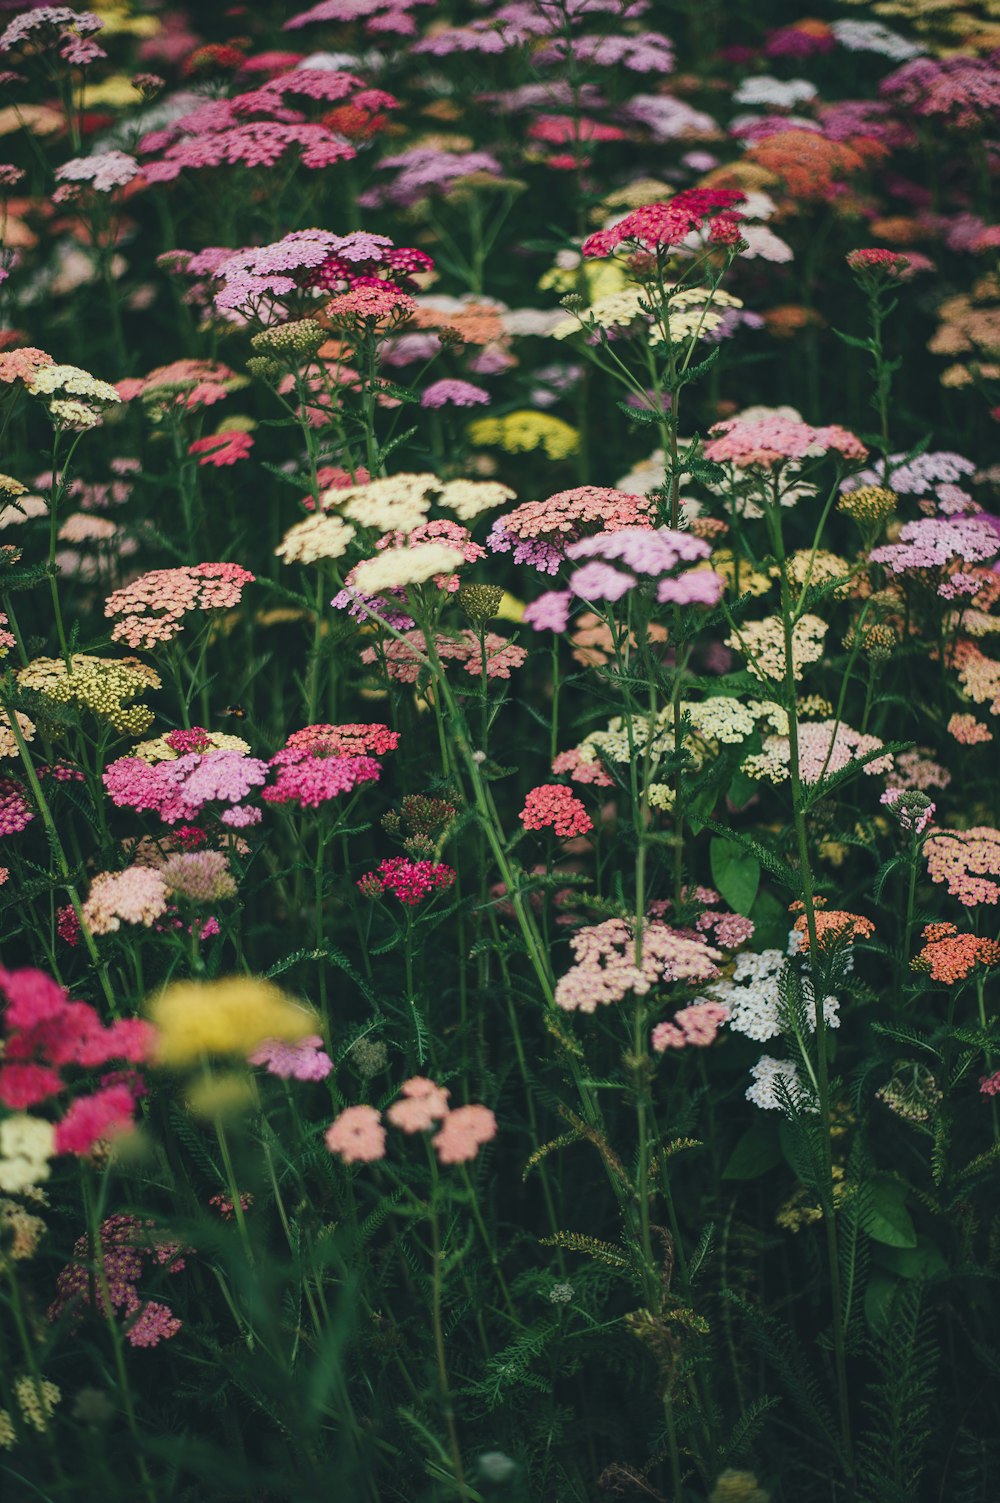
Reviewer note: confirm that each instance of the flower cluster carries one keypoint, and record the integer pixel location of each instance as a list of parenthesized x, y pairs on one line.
[(409, 881), (125, 1245), (609, 963), (357, 1136), (149, 610), (552, 806)]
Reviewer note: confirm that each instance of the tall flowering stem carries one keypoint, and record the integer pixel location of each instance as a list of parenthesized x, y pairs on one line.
[(789, 614)]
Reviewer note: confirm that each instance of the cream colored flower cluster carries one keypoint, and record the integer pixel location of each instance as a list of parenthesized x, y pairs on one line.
[(395, 568), (102, 685), (26, 1145), (762, 643), (159, 749), (316, 537), (75, 399)]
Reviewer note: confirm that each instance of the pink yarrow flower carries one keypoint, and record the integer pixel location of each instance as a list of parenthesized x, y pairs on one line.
[(222, 448), (304, 1060), (357, 1135), (409, 881), (553, 806), (423, 1103), (463, 1132)]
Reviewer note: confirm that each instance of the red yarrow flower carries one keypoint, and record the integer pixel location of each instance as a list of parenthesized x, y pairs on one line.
[(222, 448), (654, 226), (553, 806)]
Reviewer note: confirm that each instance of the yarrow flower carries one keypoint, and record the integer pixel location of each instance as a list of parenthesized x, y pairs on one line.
[(449, 393), (968, 861), (357, 1136), (539, 532), (661, 225), (605, 968), (949, 956), (833, 927), (104, 686), (307, 775), (125, 1246), (149, 610), (409, 881), (769, 441), (552, 806), (777, 1082), (303, 1059), (698, 1024), (232, 1015), (180, 790)]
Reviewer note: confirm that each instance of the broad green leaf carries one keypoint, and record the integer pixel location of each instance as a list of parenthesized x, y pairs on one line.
[(735, 872)]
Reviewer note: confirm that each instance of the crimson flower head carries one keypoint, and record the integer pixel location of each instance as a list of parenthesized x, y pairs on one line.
[(875, 266), (655, 225)]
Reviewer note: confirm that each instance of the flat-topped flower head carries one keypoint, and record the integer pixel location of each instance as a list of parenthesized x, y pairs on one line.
[(968, 861), (150, 609), (658, 226), (553, 806), (769, 441)]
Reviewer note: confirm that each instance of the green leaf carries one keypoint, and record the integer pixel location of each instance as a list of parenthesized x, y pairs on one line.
[(735, 872), (855, 343), (887, 1219), (879, 1298), (758, 1150), (924, 1261)]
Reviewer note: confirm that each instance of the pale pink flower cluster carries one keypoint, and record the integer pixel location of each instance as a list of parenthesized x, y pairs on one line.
[(969, 731), (149, 610), (915, 769), (771, 440), (104, 171), (403, 657), (968, 861), (825, 747), (357, 1134), (217, 134), (616, 563), (188, 383), (305, 1059), (698, 1024), (137, 895), (58, 26), (605, 968), (932, 543)]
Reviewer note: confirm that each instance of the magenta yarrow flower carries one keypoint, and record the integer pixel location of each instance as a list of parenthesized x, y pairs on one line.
[(409, 881), (307, 779), (303, 1060), (449, 393)]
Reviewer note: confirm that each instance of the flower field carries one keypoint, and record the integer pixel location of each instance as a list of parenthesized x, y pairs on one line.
[(499, 695)]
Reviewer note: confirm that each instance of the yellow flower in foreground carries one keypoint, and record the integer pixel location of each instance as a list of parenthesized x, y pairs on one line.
[(228, 1016)]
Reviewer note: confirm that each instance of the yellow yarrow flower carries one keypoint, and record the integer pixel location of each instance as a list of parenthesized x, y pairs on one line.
[(520, 432), (229, 1016)]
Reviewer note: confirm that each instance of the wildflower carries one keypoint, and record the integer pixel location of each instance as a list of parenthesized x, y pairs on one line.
[(552, 806), (423, 1103), (732, 1486), (950, 956), (75, 399), (913, 809), (198, 876), (104, 171), (179, 790), (307, 777), (187, 385), (833, 927), (752, 997), (869, 505), (357, 1135), (104, 686), (231, 1015), (521, 432), (92, 1119), (605, 968), (134, 896), (561, 1294), (875, 268), (480, 602), (463, 1132), (763, 645), (771, 440), (966, 860), (698, 1024), (344, 740), (149, 610), (125, 1245), (222, 448), (409, 881), (301, 336), (26, 1146), (369, 1057), (968, 731), (449, 393), (912, 1093), (396, 568), (320, 536), (661, 225), (303, 1060), (990, 1085), (774, 1081)]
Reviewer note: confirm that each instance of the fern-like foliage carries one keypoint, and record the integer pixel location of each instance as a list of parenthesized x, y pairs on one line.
[(892, 1451)]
